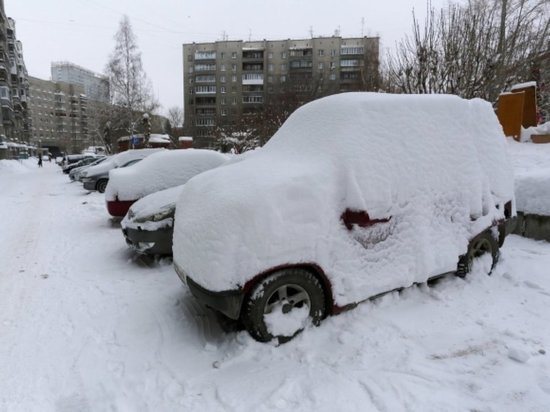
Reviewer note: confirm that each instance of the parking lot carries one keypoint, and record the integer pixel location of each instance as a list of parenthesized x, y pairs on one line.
[(87, 325)]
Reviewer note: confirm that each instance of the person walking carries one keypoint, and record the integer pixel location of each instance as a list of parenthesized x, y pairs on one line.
[(40, 160)]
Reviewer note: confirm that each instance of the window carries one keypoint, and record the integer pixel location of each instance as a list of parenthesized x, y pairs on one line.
[(270, 67), (224, 112), (204, 121), (351, 50), (234, 101), (270, 79), (222, 89), (222, 68), (222, 79), (283, 79), (332, 65), (321, 65), (270, 54), (222, 101), (283, 68), (202, 55), (209, 78), (333, 52), (332, 76), (349, 63), (321, 52), (205, 89), (205, 67), (222, 55), (253, 99), (283, 55), (234, 78), (233, 67), (234, 55)]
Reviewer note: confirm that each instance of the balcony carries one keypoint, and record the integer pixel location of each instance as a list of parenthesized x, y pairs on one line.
[(205, 55), (253, 54), (252, 78)]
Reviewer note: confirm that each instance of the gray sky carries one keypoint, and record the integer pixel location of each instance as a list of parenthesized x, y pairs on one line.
[(81, 31)]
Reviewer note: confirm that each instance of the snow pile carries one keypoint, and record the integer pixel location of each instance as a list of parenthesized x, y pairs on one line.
[(532, 176), (160, 171), (427, 163), (120, 159), (17, 166), (159, 138), (540, 129)]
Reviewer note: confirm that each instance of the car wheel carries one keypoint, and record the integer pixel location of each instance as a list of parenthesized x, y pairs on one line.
[(482, 244), (283, 304), (101, 186)]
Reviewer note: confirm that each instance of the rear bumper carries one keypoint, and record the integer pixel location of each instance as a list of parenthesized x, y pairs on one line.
[(119, 208), (228, 302), (157, 242)]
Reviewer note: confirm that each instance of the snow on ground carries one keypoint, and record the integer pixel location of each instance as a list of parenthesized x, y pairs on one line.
[(85, 325)]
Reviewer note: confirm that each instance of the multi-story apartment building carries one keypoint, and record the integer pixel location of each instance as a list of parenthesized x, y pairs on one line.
[(224, 81), (96, 86), (14, 85), (60, 115)]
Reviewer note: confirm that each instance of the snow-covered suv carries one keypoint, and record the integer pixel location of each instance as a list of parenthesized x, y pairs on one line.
[(356, 195)]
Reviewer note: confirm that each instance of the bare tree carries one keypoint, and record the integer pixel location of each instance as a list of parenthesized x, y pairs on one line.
[(131, 91), (175, 116), (477, 49)]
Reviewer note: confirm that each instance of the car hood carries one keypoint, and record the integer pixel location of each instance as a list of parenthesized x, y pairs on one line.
[(152, 204)]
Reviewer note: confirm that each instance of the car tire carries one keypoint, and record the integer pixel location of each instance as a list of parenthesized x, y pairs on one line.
[(101, 185), (285, 290), (482, 244)]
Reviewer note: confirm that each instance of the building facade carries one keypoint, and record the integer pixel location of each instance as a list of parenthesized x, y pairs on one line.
[(225, 81), (95, 86), (60, 115), (15, 123)]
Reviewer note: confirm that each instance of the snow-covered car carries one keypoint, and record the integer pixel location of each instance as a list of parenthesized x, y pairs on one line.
[(97, 177), (356, 195), (157, 172), (149, 224), (84, 162), (75, 173)]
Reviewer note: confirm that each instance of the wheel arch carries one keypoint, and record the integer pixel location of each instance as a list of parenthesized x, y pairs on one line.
[(312, 268)]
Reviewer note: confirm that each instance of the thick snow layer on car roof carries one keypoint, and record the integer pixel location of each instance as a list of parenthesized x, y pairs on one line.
[(160, 171), (430, 163), (532, 176), (120, 159)]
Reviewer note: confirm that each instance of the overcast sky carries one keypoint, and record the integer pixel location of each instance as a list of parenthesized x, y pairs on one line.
[(81, 31)]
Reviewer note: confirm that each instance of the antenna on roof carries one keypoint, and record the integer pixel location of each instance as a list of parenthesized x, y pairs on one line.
[(249, 34), (362, 26), (311, 31)]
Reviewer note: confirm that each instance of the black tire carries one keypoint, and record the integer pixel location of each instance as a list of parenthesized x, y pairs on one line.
[(286, 289), (101, 185), (483, 243)]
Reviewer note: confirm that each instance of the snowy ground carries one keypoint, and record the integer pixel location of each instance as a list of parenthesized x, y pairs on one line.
[(86, 326)]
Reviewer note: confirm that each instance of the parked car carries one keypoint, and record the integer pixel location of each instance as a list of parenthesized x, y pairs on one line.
[(76, 172), (356, 195), (97, 177), (159, 171), (149, 224), (70, 159), (83, 162)]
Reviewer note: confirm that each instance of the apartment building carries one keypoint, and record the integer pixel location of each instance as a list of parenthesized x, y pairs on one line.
[(15, 123), (225, 81), (60, 115), (96, 86)]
